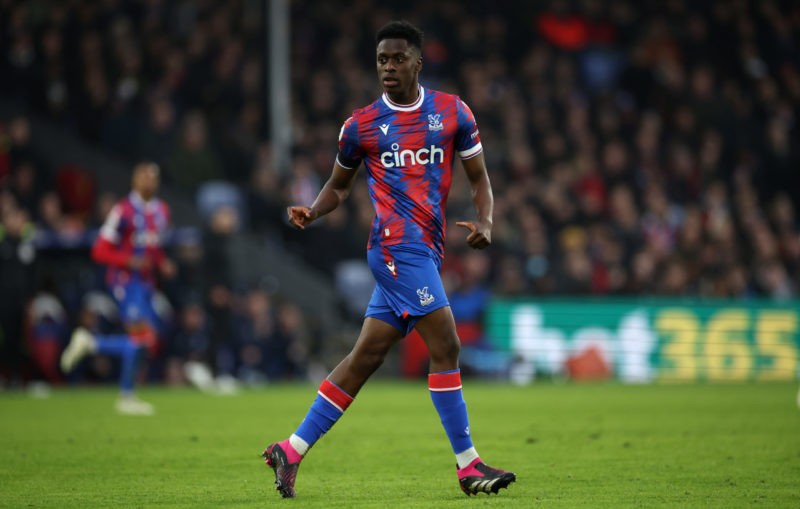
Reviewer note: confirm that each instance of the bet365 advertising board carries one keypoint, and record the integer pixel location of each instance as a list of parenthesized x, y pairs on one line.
[(648, 340)]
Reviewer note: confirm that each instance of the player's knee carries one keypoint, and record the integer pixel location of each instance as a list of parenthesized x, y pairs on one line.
[(445, 350), (366, 361)]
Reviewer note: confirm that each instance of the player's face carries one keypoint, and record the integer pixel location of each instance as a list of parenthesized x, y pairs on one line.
[(146, 180), (398, 68)]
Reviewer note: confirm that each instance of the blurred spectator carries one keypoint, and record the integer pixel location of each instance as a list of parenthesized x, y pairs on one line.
[(214, 195), (220, 296), (510, 280), (259, 358), (193, 161), (263, 194), (574, 272), (339, 240), (290, 343), (76, 188), (17, 257), (158, 138), (47, 329), (189, 351), (26, 185), (469, 295), (19, 140), (51, 214)]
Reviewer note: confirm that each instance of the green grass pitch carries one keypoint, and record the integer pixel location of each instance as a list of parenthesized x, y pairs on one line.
[(571, 445)]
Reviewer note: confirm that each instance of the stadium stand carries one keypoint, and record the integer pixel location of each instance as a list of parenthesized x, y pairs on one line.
[(635, 148)]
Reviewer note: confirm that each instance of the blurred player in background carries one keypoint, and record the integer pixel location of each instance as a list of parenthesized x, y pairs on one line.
[(130, 245), (407, 140)]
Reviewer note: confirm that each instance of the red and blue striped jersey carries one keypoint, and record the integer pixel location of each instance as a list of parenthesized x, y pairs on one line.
[(133, 227), (408, 153)]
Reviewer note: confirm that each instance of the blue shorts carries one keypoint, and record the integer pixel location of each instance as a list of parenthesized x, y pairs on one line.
[(135, 300), (408, 284)]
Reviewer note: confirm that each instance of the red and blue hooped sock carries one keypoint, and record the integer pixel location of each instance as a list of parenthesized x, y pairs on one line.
[(327, 408), (445, 389)]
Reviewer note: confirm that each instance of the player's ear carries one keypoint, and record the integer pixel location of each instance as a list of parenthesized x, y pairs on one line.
[(419, 63)]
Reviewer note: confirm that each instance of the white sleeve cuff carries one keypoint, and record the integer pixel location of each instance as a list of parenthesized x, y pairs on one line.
[(339, 162), (471, 152)]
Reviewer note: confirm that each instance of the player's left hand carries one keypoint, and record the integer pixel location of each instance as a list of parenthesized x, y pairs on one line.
[(480, 235)]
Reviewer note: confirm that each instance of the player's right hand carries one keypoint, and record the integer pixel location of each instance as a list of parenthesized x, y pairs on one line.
[(300, 217)]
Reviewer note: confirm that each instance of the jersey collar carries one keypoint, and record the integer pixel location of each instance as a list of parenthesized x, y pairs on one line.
[(405, 107), (139, 202)]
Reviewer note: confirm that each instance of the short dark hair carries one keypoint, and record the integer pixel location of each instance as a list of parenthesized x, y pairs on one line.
[(400, 30)]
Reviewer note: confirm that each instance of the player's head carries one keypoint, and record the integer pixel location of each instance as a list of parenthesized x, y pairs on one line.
[(145, 179), (399, 56), (401, 30)]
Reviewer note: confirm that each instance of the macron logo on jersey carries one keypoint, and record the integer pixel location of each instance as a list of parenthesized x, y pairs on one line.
[(384, 128), (400, 158)]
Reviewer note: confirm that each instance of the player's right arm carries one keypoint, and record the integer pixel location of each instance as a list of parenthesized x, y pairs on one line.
[(333, 193), (339, 184), (106, 248)]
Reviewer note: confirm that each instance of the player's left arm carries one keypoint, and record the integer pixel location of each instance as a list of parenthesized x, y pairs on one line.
[(468, 145), (166, 267), (480, 235)]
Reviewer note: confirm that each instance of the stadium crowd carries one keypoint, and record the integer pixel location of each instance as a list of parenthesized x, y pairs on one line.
[(635, 148)]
